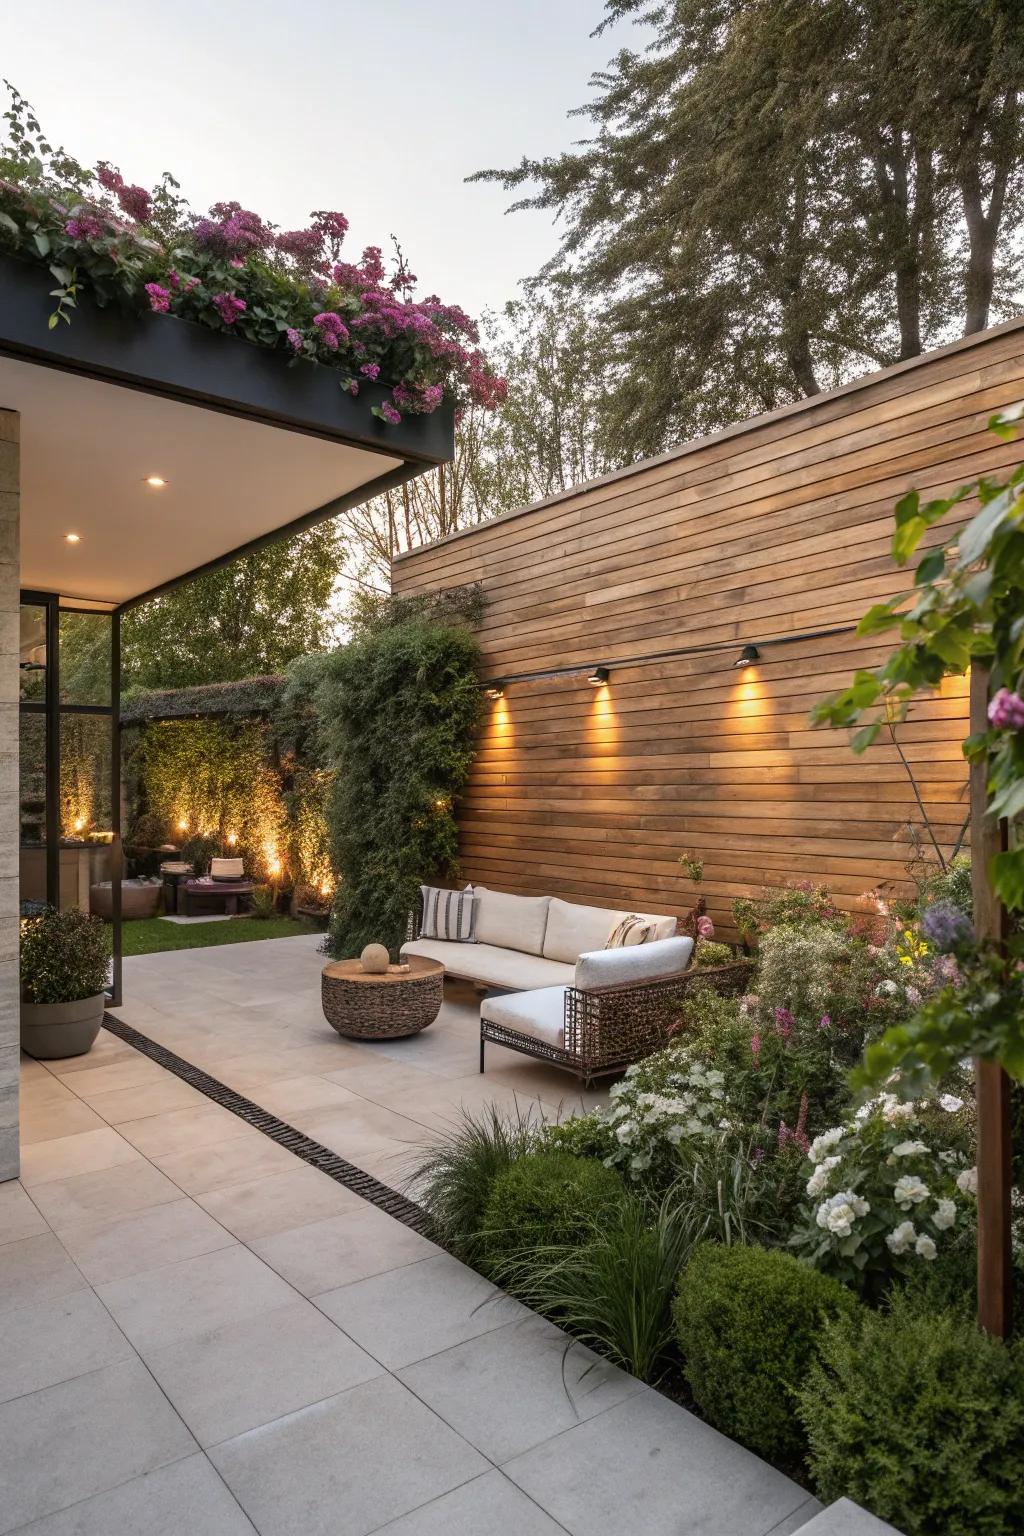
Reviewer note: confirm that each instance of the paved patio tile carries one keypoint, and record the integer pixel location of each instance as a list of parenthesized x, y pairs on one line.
[(649, 1466), (65, 1156), (106, 1050), (178, 1301), (299, 1094), (407, 1314), (326, 1254), (35, 1269), (109, 1193), (83, 1437), (57, 1117), (183, 1130), (236, 1161), (95, 1081), (343, 1467), (19, 1216), (798, 1520), (276, 1202), (512, 1389), (52, 1341), (153, 1098), (164, 1234), (488, 1506), (186, 1498), (844, 1518), (247, 1373)]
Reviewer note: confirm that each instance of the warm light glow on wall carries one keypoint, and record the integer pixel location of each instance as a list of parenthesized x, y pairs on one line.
[(747, 694), (232, 839), (602, 723)]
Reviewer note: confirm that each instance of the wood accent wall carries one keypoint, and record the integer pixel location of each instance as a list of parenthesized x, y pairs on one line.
[(777, 526)]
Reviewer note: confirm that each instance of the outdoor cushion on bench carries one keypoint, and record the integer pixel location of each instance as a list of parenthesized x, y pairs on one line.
[(540, 1013), (490, 966)]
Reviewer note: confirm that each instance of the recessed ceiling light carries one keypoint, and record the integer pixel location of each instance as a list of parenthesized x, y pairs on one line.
[(156, 481), (72, 538)]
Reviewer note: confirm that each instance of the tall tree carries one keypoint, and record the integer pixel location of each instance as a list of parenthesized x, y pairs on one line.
[(251, 617), (779, 193)]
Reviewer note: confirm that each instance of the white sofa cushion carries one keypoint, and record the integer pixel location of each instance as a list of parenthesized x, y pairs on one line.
[(511, 922), (540, 1013), (574, 930), (491, 966), (633, 963)]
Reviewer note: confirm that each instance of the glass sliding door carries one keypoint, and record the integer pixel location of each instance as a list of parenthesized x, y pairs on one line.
[(70, 762)]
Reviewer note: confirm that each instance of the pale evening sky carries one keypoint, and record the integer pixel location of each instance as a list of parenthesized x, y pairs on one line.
[(379, 110)]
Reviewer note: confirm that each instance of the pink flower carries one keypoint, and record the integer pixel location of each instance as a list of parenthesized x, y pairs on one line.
[(332, 329), (389, 413), (83, 226), (135, 202), (705, 928), (825, 1022), (784, 1022), (370, 370), (1006, 711), (159, 298), (294, 339), (228, 307), (755, 1048)]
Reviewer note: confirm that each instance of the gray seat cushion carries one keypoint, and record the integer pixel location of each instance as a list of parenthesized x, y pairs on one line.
[(491, 966)]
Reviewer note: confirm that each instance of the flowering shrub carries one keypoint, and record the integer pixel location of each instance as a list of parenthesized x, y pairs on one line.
[(880, 1199), (659, 1102), (232, 271), (788, 905)]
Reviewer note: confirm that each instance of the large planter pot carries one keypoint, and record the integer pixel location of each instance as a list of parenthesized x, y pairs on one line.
[(50, 1031), (139, 898)]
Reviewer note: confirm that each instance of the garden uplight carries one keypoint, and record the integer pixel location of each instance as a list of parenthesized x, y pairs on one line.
[(748, 657)]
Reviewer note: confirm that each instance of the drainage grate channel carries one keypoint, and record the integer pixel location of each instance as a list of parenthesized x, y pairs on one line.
[(310, 1151)]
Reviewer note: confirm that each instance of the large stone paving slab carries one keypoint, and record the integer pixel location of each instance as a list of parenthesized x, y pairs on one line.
[(187, 1498)]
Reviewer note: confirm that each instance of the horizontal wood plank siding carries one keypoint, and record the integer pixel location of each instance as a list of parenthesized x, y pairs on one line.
[(762, 533)]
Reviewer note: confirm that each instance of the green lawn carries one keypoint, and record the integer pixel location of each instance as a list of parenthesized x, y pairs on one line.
[(148, 935)]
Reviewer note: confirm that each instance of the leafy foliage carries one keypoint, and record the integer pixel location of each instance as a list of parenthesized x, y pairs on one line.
[(400, 706), (64, 956), (919, 1417), (748, 1322), (545, 1200)]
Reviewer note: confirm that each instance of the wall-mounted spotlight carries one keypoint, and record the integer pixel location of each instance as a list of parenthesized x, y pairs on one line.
[(495, 690), (748, 657), (598, 676)]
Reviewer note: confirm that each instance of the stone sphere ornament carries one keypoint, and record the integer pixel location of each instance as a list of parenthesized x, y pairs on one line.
[(375, 959)]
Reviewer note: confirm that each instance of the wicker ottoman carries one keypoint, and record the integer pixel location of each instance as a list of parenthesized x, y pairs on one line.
[(382, 1006)]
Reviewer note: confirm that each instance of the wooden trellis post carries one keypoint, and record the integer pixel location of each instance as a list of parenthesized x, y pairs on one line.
[(993, 1085)]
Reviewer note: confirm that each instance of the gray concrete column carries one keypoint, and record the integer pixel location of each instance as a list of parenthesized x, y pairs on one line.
[(9, 823)]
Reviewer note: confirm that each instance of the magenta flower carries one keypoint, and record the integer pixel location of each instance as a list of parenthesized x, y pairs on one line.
[(332, 329), (294, 339), (83, 226), (370, 370), (784, 1022), (228, 307), (705, 928), (389, 413), (1006, 711), (159, 298), (135, 202), (755, 1048), (305, 246)]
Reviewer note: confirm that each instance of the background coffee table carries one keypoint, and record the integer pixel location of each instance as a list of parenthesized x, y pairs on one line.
[(382, 1006)]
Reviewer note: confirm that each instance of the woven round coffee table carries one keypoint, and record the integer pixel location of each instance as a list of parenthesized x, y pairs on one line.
[(364, 1005)]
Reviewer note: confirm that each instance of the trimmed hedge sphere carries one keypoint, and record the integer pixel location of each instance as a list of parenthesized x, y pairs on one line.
[(547, 1199), (748, 1322)]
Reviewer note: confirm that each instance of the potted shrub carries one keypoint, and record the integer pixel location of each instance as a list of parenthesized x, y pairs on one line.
[(64, 963)]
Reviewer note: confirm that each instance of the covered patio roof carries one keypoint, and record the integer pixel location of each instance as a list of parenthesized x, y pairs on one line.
[(248, 448)]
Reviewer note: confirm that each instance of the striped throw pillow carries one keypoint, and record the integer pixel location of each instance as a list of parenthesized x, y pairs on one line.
[(448, 915)]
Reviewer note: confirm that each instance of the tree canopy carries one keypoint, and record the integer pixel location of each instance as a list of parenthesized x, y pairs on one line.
[(779, 194)]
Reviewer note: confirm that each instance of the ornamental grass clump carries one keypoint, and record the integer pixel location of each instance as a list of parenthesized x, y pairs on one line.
[(881, 1201), (545, 1200), (454, 1174), (748, 1323), (919, 1417)]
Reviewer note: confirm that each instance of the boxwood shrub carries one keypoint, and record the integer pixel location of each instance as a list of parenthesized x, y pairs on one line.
[(547, 1199), (919, 1417), (748, 1322)]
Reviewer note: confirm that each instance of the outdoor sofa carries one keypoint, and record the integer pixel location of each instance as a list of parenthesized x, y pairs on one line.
[(554, 991)]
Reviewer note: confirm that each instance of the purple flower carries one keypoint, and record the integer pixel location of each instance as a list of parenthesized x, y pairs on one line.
[(135, 202), (825, 1022), (332, 328), (389, 413), (294, 339), (305, 246), (159, 298), (370, 370), (232, 231), (83, 226), (1006, 711), (946, 928), (784, 1022), (228, 307)]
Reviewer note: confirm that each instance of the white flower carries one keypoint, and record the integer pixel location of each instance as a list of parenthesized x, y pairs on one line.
[(950, 1103), (624, 1132), (909, 1190), (925, 1247), (902, 1237), (640, 1161), (886, 989), (674, 1134), (909, 1149), (967, 1181), (945, 1214), (822, 1144), (840, 1212), (896, 1111), (818, 1181)]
